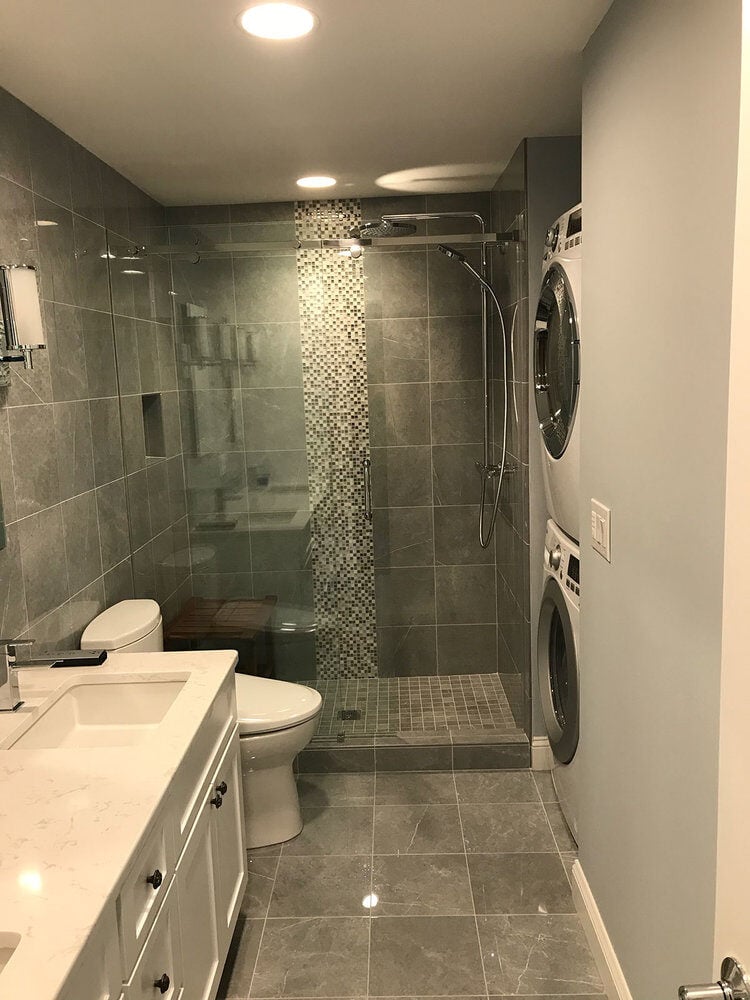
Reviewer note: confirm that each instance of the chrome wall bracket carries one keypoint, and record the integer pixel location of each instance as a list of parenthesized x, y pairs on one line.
[(733, 985)]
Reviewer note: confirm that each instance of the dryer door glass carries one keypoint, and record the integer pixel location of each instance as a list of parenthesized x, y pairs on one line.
[(558, 671), (558, 668), (556, 362)]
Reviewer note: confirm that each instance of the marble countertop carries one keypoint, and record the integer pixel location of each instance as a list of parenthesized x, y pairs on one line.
[(72, 819)]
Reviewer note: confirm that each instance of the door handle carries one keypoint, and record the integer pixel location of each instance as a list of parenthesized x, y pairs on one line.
[(367, 475), (733, 985)]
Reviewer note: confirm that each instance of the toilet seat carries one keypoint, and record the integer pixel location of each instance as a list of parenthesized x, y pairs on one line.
[(267, 706)]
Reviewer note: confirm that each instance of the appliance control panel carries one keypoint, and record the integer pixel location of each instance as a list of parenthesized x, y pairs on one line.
[(562, 561)]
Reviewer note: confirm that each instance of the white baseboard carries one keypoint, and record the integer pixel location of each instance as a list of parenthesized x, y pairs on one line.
[(604, 954), (542, 758)]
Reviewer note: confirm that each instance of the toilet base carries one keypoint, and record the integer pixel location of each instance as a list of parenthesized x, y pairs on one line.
[(272, 811)]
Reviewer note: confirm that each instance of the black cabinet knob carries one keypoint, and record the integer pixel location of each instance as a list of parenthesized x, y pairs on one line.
[(162, 985), (156, 879), (222, 788), (217, 801)]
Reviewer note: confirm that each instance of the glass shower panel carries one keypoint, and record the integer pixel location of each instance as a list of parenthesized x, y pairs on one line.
[(239, 370)]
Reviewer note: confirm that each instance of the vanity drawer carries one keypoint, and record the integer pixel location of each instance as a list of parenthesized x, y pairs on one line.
[(158, 972), (143, 891)]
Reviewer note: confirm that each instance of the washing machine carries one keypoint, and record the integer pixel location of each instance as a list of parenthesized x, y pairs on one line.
[(557, 339), (557, 664)]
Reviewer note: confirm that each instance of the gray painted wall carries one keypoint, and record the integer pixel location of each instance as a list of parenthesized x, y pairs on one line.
[(660, 127)]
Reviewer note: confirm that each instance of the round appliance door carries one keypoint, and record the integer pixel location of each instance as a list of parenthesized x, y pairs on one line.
[(556, 361), (557, 665)]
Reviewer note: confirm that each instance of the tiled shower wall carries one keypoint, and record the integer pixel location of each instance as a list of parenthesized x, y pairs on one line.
[(435, 584), (69, 477)]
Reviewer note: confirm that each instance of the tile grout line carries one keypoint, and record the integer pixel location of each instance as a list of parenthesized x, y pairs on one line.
[(372, 879), (265, 921), (471, 890)]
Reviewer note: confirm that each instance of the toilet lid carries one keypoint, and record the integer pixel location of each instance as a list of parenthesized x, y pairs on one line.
[(266, 706)]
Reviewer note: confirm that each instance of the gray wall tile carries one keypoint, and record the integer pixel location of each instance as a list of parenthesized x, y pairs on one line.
[(465, 594), (81, 534)]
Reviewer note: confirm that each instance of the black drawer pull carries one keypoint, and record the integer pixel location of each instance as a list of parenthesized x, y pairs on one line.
[(162, 985), (222, 788), (156, 879), (217, 801)]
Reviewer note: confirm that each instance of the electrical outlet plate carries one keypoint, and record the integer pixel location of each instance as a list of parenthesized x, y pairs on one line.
[(601, 529)]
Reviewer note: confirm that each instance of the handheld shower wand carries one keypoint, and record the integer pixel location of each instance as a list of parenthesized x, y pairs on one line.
[(487, 470)]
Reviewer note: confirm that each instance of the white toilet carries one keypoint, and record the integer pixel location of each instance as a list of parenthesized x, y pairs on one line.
[(277, 720)]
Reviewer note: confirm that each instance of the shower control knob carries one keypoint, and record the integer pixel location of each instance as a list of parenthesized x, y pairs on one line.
[(555, 558)]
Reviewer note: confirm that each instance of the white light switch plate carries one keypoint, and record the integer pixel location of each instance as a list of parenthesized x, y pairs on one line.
[(600, 529)]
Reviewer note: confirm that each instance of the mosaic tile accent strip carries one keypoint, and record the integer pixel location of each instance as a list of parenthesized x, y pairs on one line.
[(334, 379), (416, 705)]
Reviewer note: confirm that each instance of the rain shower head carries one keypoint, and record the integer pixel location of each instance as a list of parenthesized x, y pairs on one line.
[(382, 228), (450, 252)]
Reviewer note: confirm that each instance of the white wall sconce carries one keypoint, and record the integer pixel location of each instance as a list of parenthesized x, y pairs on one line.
[(21, 312)]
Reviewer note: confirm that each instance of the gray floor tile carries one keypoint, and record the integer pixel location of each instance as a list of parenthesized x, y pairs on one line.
[(412, 788), (496, 786), (337, 830), (421, 885), (563, 836), (240, 964), (424, 956), (543, 780), (321, 887), (417, 829), (519, 883), (496, 828), (336, 789), (313, 957), (261, 873), (537, 954), (272, 851)]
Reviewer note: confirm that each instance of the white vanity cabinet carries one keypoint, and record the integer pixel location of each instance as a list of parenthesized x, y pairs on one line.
[(211, 877), (178, 902)]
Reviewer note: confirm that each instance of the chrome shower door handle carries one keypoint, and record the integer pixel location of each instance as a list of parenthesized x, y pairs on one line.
[(367, 476)]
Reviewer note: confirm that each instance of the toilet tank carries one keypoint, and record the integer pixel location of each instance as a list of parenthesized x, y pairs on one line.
[(127, 627)]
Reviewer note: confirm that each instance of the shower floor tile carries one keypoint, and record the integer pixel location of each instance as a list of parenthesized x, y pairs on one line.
[(465, 703)]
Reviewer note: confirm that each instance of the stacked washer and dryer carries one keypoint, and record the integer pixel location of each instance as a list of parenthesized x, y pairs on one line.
[(556, 385)]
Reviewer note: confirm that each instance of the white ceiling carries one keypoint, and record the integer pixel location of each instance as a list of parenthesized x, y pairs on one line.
[(176, 97)]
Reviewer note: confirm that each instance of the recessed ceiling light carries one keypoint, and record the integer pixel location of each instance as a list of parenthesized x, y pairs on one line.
[(45, 222), (316, 182), (277, 21)]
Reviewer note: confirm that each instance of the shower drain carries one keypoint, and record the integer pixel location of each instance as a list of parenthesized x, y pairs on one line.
[(349, 714)]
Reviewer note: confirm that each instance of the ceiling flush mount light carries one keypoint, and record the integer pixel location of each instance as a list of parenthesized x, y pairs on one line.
[(316, 182), (277, 21)]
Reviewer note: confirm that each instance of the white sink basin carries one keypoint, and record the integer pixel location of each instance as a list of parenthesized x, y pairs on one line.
[(117, 714)]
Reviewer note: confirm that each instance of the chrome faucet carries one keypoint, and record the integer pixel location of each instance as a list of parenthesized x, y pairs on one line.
[(9, 663)]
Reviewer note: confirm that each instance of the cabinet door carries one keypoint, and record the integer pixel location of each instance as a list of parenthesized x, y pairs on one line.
[(158, 971), (228, 830), (198, 918)]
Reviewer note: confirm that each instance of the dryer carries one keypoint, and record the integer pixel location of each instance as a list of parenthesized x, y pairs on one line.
[(557, 337), (558, 665)]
